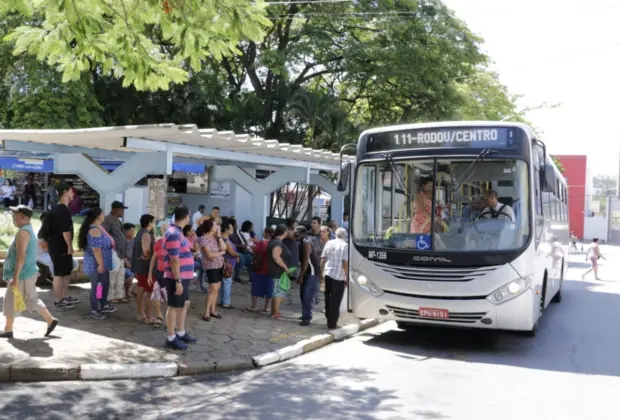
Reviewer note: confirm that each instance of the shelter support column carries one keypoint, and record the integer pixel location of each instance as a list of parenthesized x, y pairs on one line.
[(111, 185)]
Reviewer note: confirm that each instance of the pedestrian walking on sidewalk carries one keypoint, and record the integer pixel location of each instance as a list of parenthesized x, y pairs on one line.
[(98, 247), (178, 274), (21, 272), (57, 231), (262, 283), (335, 259)]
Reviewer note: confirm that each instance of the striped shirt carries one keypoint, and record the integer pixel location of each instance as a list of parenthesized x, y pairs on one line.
[(178, 248), (335, 252)]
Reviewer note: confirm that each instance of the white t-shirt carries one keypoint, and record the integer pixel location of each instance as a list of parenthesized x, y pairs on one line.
[(8, 191), (507, 213), (195, 218)]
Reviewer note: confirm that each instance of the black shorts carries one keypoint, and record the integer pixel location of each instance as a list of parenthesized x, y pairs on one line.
[(214, 275), (63, 264), (174, 300)]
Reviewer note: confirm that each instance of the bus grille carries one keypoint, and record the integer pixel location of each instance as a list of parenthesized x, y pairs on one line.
[(435, 274), (456, 317)]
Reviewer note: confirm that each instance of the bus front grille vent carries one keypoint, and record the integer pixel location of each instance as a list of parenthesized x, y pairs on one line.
[(435, 273)]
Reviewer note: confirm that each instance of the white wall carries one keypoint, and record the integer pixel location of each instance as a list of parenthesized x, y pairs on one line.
[(596, 227)]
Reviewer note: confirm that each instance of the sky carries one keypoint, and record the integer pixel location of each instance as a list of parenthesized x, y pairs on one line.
[(563, 52)]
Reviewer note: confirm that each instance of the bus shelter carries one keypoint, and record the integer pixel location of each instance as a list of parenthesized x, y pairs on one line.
[(144, 150)]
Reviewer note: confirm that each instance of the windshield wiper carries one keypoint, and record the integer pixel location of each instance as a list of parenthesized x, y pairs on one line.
[(467, 173), (390, 161)]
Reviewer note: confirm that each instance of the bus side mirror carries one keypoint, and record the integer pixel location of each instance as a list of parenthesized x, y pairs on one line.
[(547, 179), (343, 178)]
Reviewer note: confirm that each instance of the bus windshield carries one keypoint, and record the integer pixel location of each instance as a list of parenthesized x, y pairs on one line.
[(479, 204)]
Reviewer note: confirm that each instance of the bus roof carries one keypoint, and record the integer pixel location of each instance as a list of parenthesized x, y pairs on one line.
[(437, 124)]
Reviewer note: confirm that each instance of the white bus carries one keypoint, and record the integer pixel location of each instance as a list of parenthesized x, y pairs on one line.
[(456, 224)]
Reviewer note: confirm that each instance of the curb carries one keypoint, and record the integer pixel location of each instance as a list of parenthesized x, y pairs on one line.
[(30, 371)]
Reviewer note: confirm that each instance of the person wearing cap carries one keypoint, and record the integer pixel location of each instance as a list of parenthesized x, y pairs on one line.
[(113, 225), (57, 232), (21, 272)]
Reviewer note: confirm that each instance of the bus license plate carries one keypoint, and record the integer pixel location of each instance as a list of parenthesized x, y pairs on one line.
[(434, 313)]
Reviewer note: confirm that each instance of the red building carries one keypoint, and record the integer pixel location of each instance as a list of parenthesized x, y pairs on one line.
[(576, 178)]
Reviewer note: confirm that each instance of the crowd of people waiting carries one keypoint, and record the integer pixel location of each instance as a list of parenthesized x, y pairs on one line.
[(167, 258)]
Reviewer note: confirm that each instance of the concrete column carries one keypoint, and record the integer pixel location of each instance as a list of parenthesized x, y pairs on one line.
[(111, 186), (260, 190)]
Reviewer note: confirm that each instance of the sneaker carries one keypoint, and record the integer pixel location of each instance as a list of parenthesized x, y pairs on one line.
[(6, 334), (176, 344), (97, 315), (304, 323), (108, 309), (64, 304), (72, 300), (186, 338)]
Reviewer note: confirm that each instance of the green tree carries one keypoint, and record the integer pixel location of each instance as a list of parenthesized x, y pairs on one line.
[(146, 43), (558, 164)]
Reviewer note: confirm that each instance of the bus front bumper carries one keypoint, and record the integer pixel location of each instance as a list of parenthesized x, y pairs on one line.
[(516, 314)]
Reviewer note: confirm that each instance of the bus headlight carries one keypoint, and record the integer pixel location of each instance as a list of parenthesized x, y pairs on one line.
[(365, 283), (510, 290)]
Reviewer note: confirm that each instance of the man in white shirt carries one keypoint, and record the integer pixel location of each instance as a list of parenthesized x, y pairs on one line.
[(197, 216), (495, 209), (335, 262)]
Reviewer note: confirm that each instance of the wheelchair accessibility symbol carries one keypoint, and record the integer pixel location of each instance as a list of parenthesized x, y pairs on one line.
[(423, 242)]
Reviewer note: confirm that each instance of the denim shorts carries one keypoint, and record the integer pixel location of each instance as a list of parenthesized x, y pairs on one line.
[(277, 290)]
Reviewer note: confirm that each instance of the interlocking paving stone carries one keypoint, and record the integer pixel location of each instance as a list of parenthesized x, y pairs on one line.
[(122, 339)]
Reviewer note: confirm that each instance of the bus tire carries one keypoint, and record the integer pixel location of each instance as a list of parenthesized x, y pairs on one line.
[(558, 296), (532, 332)]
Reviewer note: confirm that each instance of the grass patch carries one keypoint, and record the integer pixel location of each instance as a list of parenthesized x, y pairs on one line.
[(8, 230)]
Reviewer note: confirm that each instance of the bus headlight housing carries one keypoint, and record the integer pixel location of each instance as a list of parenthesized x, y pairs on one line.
[(510, 290), (365, 283)]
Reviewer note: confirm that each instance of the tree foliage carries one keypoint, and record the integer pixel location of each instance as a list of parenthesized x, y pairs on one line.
[(311, 73), (147, 43), (558, 164)]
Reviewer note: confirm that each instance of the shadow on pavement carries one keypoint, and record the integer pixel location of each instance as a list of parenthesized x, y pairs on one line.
[(289, 392), (579, 335)]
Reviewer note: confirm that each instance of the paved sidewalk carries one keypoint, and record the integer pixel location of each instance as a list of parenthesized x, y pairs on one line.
[(121, 339)]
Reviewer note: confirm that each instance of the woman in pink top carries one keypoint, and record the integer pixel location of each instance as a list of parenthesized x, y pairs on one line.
[(422, 208), (213, 249)]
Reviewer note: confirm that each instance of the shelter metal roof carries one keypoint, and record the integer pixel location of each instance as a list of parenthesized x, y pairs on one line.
[(176, 138)]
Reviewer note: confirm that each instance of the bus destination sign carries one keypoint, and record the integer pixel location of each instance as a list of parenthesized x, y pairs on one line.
[(443, 137)]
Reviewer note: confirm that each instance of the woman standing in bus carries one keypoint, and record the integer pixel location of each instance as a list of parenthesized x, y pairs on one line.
[(422, 207), (593, 254)]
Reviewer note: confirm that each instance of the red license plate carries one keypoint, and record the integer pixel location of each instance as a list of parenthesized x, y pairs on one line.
[(434, 313)]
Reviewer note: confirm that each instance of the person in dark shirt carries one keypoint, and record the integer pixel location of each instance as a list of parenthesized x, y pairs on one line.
[(58, 232), (279, 261), (309, 274), (292, 243)]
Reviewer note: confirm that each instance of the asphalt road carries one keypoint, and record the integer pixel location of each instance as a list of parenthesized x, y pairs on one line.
[(571, 370)]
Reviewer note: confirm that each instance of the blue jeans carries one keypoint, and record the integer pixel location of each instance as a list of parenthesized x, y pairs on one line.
[(104, 279), (307, 292), (225, 290), (244, 261), (199, 273)]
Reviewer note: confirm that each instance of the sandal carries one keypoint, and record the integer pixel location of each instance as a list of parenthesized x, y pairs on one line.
[(206, 318), (250, 310), (216, 316), (123, 300), (155, 322), (141, 319)]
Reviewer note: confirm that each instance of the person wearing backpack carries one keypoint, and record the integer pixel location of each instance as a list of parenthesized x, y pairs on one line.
[(495, 209)]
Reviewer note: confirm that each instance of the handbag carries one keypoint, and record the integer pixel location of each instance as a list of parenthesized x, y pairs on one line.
[(159, 294), (116, 261), (227, 269)]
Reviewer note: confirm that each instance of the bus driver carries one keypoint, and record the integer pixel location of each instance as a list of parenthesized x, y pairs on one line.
[(495, 209)]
